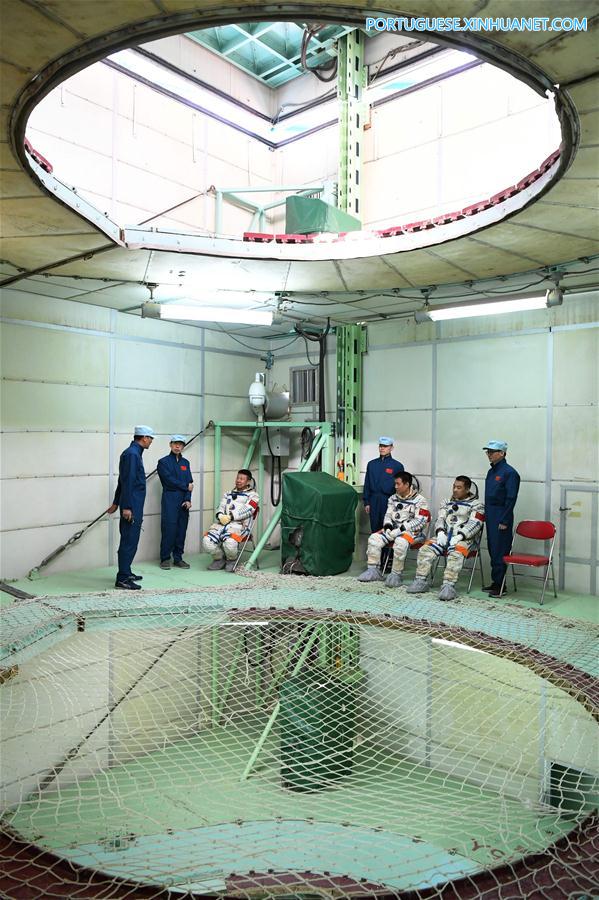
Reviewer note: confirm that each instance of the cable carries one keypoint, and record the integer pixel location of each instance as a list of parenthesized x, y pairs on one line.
[(275, 496), (331, 66), (306, 441)]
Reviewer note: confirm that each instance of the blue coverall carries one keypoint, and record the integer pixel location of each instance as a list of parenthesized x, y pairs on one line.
[(175, 476), (130, 494), (379, 484), (501, 492)]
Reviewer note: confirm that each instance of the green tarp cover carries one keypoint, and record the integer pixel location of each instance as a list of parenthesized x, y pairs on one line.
[(325, 507), (305, 215)]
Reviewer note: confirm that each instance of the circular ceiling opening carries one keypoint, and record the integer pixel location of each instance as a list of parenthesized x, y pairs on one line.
[(293, 140)]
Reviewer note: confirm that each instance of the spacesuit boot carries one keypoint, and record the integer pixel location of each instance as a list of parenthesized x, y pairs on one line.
[(448, 591), (372, 573), (419, 585), (217, 564), (394, 579)]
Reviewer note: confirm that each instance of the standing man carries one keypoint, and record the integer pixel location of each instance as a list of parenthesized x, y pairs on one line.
[(501, 492), (175, 476), (379, 482), (130, 497)]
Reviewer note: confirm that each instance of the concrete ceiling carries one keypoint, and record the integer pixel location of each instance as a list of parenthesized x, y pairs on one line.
[(55, 38)]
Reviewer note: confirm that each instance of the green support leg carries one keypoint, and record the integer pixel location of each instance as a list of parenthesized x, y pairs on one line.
[(275, 712)]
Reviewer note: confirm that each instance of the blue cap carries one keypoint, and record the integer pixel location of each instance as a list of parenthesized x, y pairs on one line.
[(386, 441), (495, 445), (143, 431), (178, 437)]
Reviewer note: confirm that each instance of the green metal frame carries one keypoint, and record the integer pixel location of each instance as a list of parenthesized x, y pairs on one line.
[(259, 211), (351, 82), (351, 345), (270, 51), (323, 444)]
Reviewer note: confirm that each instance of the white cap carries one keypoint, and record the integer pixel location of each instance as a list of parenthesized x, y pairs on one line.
[(143, 431), (178, 438)]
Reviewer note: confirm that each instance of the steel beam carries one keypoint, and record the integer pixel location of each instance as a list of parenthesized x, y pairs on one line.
[(351, 82), (351, 344)]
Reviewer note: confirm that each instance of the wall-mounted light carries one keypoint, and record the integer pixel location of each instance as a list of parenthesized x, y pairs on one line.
[(178, 312), (553, 297)]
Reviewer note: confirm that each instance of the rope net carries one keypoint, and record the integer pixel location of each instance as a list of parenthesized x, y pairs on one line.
[(328, 744)]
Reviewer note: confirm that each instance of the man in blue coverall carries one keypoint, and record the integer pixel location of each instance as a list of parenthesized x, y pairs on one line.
[(379, 483), (130, 496), (175, 476), (501, 492)]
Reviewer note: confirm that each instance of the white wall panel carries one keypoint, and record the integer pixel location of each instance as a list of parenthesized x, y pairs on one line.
[(35, 502), (158, 367), (412, 432), (22, 550), (40, 354), (53, 454), (398, 378), (576, 362), (38, 406), (461, 437), (576, 443), (478, 374)]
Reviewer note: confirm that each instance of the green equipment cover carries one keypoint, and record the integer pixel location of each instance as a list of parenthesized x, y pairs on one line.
[(307, 215), (317, 725), (318, 523)]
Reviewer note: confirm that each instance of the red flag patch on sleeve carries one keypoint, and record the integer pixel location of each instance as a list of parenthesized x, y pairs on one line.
[(479, 516), (425, 513), (253, 504)]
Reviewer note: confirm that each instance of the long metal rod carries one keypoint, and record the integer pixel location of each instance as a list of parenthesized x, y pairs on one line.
[(227, 687), (319, 445), (250, 450), (272, 686), (217, 473), (214, 674), (275, 712)]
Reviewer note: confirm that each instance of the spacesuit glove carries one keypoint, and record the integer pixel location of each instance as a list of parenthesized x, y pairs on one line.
[(223, 519), (436, 548), (441, 539), (387, 538), (387, 526)]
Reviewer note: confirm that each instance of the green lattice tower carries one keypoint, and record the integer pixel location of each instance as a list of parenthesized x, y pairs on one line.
[(350, 86), (351, 344)]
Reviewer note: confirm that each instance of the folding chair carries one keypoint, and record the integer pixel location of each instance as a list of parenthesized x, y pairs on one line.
[(243, 545), (387, 554), (474, 554), (534, 531)]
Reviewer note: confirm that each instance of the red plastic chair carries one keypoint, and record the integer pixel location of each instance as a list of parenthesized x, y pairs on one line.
[(534, 531)]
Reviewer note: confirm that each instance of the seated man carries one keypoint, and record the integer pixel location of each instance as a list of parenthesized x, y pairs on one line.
[(458, 526), (406, 519), (233, 523)]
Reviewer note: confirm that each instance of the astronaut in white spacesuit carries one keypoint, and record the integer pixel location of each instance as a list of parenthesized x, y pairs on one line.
[(406, 520), (458, 527), (234, 518)]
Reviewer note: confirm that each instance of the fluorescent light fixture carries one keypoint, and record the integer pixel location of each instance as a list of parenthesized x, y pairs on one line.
[(459, 646), (488, 307), (177, 312)]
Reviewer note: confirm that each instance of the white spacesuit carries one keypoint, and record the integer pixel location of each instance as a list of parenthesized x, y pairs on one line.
[(234, 518), (458, 527), (406, 520)]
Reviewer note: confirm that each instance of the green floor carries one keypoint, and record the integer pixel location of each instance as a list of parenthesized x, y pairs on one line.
[(391, 821), (569, 605), (439, 821)]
